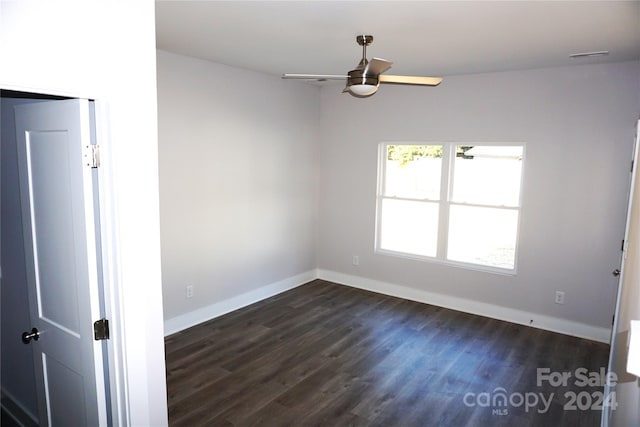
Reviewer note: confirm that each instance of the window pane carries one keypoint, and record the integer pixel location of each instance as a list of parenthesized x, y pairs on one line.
[(487, 175), (413, 171), (410, 227), (485, 236)]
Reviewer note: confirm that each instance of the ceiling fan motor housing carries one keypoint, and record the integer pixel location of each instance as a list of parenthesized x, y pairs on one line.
[(358, 77)]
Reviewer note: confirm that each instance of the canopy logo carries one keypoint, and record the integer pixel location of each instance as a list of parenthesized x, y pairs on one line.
[(500, 401)]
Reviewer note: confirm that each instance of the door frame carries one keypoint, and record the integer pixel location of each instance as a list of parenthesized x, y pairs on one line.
[(111, 291)]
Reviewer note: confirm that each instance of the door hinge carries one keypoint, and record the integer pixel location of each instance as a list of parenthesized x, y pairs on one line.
[(92, 156), (101, 329)]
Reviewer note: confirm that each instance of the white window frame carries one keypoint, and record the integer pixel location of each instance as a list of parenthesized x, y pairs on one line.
[(445, 203)]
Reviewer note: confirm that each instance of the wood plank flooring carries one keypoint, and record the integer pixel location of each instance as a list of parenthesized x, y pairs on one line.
[(330, 355)]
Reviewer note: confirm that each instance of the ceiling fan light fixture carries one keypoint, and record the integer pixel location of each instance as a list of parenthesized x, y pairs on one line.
[(363, 89), (360, 84)]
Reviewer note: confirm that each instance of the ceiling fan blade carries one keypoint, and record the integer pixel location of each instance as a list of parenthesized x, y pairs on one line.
[(377, 66), (314, 76), (411, 80)]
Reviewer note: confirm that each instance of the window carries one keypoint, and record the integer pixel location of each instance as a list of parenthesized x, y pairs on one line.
[(449, 202)]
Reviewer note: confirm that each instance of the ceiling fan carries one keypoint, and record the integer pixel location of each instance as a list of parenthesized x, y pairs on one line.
[(365, 79)]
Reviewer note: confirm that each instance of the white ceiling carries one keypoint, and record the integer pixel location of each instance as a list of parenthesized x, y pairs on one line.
[(421, 37)]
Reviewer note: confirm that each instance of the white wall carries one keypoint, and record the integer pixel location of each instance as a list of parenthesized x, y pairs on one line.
[(238, 184), (106, 50), (578, 127)]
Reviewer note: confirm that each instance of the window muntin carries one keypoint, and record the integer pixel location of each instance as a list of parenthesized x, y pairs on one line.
[(448, 202)]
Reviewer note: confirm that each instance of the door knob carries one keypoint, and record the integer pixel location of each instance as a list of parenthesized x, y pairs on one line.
[(28, 336), (616, 272)]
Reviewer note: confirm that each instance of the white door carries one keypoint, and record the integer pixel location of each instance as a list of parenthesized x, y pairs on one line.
[(622, 395), (57, 192)]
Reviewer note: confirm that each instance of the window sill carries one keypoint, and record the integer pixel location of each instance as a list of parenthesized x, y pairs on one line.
[(455, 264)]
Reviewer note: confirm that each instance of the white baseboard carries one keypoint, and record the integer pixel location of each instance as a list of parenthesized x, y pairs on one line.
[(187, 320), (548, 323)]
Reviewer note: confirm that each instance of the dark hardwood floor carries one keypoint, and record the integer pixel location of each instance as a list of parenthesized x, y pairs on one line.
[(330, 355)]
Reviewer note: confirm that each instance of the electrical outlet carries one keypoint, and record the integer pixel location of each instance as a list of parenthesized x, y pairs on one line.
[(559, 297), (356, 260), (189, 291)]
